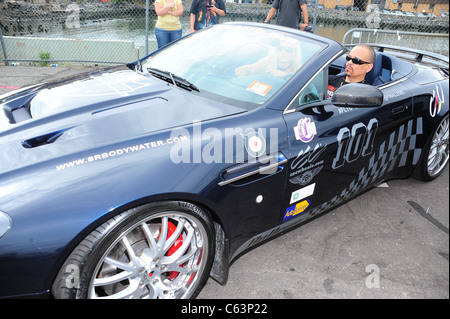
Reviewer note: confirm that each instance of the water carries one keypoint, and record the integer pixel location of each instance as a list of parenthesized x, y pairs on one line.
[(127, 29), (117, 29), (133, 28)]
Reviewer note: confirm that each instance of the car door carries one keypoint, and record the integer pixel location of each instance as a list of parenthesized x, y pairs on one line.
[(336, 152)]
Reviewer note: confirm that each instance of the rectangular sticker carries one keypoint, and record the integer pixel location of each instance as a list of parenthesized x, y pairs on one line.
[(302, 193), (295, 210), (259, 88)]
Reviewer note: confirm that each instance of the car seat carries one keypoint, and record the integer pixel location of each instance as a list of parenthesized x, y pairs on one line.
[(374, 77)]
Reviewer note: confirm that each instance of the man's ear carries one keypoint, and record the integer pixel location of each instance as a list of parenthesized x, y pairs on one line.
[(369, 67)]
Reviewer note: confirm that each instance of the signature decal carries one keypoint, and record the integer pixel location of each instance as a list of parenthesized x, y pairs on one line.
[(305, 158), (436, 101)]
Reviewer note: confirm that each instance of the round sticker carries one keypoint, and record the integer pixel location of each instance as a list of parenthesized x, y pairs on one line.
[(255, 144)]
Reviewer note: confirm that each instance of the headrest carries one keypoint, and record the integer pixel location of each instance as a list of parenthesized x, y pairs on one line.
[(375, 73)]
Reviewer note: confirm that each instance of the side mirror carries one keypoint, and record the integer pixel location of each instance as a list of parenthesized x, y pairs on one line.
[(357, 95)]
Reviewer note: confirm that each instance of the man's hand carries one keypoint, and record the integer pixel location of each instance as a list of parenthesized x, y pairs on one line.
[(216, 10)]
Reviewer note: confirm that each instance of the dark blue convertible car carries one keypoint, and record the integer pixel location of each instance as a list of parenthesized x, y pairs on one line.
[(142, 181)]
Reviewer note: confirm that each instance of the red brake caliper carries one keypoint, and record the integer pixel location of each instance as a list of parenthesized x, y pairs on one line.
[(171, 229), (176, 245)]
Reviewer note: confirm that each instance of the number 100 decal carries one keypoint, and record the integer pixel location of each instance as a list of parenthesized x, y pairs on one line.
[(355, 142)]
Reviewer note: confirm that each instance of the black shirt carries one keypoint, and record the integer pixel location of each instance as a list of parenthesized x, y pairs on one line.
[(288, 12), (335, 82)]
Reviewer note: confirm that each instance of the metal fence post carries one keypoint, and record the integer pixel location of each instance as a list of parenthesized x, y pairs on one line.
[(147, 21), (316, 8), (3, 47)]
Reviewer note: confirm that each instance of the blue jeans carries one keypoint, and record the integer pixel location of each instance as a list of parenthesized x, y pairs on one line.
[(164, 37)]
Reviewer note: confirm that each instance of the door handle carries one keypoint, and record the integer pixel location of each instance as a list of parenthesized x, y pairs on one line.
[(262, 165), (399, 109)]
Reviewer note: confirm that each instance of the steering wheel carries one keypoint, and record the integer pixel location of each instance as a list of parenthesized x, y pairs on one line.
[(309, 95)]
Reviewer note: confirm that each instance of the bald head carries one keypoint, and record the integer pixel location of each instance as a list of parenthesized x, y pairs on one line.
[(360, 63), (369, 51)]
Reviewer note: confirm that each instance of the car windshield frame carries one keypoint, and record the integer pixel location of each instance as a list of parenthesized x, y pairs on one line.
[(241, 65)]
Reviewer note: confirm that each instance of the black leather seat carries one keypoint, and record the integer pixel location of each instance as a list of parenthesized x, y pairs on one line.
[(381, 71), (373, 77)]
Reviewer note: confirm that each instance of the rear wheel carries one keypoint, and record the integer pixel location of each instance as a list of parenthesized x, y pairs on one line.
[(160, 250), (435, 156)]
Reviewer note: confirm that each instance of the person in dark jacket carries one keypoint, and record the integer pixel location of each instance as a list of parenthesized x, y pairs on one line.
[(205, 13), (289, 13)]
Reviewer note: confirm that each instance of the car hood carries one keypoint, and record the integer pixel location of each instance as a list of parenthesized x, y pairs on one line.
[(80, 114)]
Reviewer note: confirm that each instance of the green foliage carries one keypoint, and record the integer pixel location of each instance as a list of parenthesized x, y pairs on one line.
[(44, 55)]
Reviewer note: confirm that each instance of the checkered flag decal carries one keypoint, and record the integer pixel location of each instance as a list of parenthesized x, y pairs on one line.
[(393, 153), (400, 147)]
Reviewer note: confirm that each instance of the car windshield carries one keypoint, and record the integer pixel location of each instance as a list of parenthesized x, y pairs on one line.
[(243, 65)]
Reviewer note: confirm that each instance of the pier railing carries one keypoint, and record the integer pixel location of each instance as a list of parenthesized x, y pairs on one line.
[(433, 42)]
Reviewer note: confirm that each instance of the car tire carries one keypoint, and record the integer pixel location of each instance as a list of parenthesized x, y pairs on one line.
[(435, 155), (159, 250)]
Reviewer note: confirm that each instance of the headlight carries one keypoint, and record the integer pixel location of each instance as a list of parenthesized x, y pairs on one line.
[(5, 223)]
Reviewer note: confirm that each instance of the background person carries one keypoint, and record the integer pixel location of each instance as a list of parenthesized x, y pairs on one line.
[(168, 26), (289, 13), (205, 13)]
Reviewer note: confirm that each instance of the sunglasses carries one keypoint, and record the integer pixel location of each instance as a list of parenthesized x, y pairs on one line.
[(356, 60)]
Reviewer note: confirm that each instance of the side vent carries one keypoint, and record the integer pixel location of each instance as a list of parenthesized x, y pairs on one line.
[(43, 139)]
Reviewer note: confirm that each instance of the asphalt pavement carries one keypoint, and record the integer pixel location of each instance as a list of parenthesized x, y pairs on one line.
[(13, 77), (390, 242)]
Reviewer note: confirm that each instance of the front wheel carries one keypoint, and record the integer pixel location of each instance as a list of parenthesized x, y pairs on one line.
[(435, 156), (160, 250)]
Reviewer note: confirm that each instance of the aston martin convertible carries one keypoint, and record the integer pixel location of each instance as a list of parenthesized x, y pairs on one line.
[(144, 180)]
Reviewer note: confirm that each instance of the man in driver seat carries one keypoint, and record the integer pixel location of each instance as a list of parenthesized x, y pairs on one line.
[(359, 62)]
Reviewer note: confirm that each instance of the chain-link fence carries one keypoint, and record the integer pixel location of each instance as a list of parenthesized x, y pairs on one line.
[(66, 32)]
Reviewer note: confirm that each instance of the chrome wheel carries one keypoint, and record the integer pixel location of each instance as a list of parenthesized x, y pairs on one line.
[(438, 153), (160, 257), (155, 251)]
